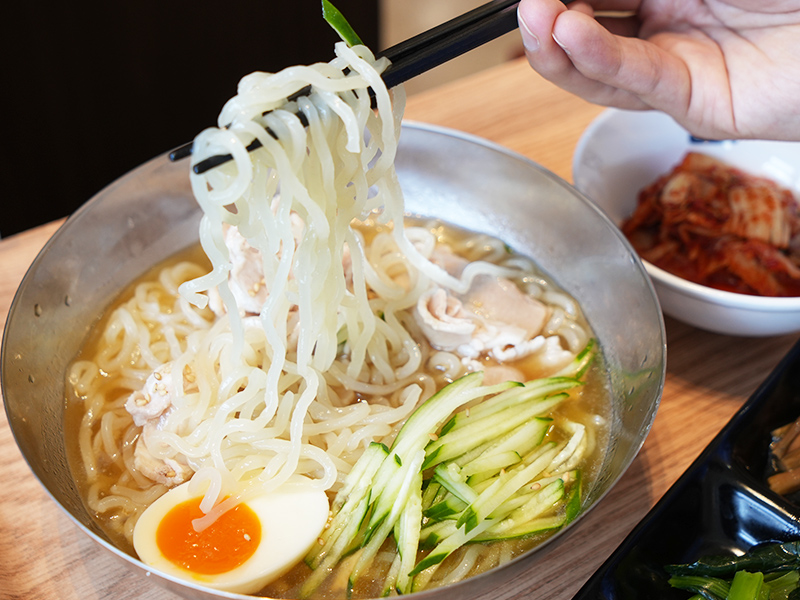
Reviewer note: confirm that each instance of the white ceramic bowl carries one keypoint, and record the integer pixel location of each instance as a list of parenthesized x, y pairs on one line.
[(623, 151)]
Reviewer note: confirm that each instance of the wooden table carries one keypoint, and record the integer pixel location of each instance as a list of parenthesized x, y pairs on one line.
[(44, 556)]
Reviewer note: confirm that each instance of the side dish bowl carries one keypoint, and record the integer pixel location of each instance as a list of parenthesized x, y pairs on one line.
[(623, 151), (150, 214)]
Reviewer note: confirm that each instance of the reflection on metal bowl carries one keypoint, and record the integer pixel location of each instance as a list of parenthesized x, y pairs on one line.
[(150, 214)]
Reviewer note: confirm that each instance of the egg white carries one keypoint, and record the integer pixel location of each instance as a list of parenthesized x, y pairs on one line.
[(292, 518)]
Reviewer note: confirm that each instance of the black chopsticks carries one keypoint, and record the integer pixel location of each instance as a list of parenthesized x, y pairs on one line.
[(449, 40), (416, 55)]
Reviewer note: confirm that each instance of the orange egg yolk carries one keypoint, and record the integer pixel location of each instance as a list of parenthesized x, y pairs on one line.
[(221, 547)]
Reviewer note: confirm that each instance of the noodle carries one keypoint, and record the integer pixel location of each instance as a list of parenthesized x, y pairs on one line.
[(187, 381)]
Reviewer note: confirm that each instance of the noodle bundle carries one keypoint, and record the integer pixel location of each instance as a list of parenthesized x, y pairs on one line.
[(303, 342)]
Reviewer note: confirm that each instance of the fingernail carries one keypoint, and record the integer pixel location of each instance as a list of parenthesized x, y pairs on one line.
[(562, 46), (529, 39)]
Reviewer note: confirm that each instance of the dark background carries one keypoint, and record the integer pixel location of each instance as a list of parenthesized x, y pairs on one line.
[(93, 89)]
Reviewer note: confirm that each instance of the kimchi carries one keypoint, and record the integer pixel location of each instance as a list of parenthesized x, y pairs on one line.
[(718, 226)]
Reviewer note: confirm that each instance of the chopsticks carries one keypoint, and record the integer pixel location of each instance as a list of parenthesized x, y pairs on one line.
[(414, 56), (449, 40)]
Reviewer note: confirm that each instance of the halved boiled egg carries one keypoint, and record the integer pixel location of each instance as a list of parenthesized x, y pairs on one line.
[(243, 549)]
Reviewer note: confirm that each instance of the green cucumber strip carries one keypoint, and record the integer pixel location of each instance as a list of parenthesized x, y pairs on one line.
[(528, 392), (386, 485), (336, 548), (523, 496), (460, 441), (448, 537), (340, 537), (518, 394), (341, 338), (336, 19), (361, 474), (523, 440), (536, 504), (444, 509), (415, 432), (390, 582), (406, 534), (456, 444), (433, 494), (534, 455), (351, 504), (449, 425), (482, 485), (432, 458), (448, 545), (432, 534), (526, 492), (450, 478), (491, 463), (492, 498), (532, 527), (574, 496), (469, 517), (411, 483), (535, 483)]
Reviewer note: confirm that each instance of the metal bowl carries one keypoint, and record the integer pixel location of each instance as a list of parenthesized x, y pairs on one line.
[(150, 214)]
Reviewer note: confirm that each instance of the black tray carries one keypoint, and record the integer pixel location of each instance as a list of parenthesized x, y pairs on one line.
[(721, 504)]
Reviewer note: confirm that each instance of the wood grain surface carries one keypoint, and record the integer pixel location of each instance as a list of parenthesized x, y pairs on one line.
[(43, 555)]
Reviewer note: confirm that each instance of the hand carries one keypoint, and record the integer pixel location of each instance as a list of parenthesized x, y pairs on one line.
[(721, 68)]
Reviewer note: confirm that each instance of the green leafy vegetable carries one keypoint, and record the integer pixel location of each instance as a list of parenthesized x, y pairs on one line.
[(711, 588), (336, 19), (766, 572), (766, 558), (746, 586)]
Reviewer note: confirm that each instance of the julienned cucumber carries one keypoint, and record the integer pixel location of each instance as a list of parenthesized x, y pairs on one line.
[(473, 463)]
